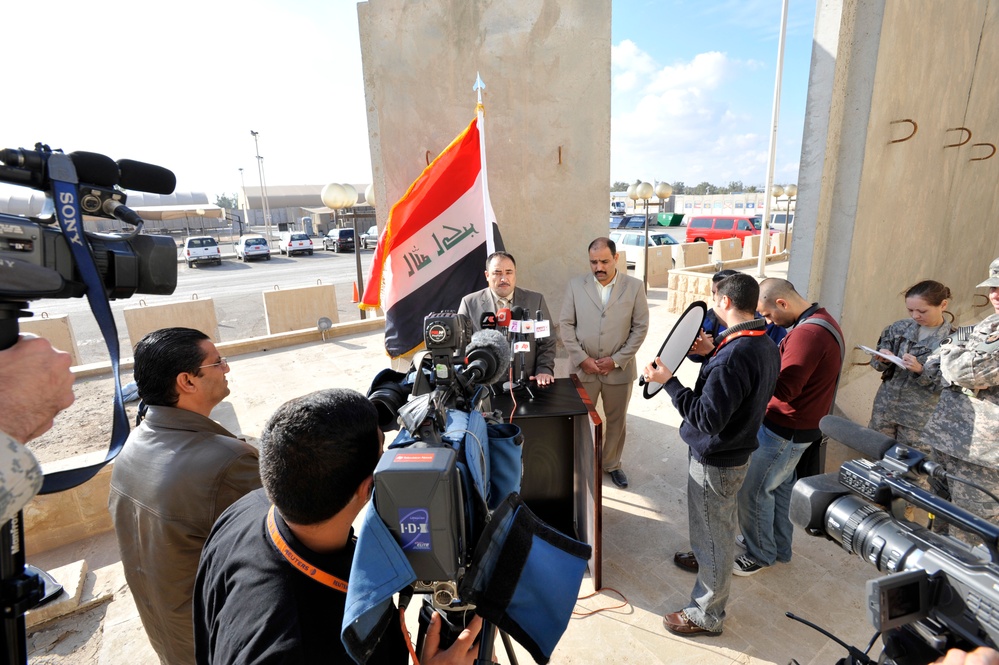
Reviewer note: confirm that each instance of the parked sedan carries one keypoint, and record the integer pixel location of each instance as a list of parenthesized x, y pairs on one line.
[(634, 241), (253, 247), (369, 239)]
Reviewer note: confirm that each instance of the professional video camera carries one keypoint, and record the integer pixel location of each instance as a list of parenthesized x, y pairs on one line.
[(37, 258), (939, 593), (41, 260), (448, 521)]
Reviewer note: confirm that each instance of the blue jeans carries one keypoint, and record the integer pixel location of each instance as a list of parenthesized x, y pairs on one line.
[(765, 498), (712, 513)]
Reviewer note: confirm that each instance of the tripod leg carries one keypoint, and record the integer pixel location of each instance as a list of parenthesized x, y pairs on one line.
[(508, 644)]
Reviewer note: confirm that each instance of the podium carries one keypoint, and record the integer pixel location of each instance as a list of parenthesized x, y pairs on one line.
[(562, 477)]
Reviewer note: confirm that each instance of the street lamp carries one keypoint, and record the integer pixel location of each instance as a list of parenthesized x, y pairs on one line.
[(791, 191), (263, 186), (337, 197), (644, 191), (246, 216)]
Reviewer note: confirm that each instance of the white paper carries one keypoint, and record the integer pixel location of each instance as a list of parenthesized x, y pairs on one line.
[(885, 356)]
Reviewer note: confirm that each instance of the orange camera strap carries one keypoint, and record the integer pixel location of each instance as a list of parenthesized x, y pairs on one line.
[(321, 576), (741, 333)]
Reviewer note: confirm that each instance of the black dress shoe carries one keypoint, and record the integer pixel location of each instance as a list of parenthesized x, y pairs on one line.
[(686, 560), (679, 623), (619, 479)]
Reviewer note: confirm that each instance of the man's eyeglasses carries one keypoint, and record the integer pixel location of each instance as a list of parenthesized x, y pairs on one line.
[(222, 361)]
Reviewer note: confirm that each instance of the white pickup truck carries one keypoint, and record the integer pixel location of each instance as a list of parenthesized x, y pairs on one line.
[(201, 249)]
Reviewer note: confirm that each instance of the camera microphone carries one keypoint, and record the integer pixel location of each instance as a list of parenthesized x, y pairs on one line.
[(94, 169), (143, 177), (863, 440), (485, 357), (488, 321)]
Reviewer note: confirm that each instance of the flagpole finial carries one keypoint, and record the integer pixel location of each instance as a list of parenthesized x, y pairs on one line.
[(479, 87)]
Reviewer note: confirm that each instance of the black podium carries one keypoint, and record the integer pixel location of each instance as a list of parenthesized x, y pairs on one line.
[(562, 443)]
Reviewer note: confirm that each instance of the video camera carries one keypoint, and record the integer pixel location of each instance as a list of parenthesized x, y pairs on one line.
[(35, 255), (938, 592)]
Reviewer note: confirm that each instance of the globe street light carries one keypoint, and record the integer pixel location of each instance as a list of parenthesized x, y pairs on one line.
[(337, 197), (644, 191), (791, 191)]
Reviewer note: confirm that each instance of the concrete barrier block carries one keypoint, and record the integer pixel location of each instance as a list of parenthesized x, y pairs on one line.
[(58, 330), (751, 247), (622, 261), (777, 243), (300, 308), (727, 249), (196, 314), (660, 263), (693, 253), (52, 520)]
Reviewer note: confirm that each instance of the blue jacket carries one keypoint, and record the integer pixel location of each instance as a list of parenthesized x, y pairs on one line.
[(722, 414)]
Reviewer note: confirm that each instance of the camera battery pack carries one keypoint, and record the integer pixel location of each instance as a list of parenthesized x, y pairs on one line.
[(418, 495)]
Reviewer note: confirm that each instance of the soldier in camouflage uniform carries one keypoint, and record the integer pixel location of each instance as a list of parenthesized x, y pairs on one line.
[(902, 404), (964, 428)]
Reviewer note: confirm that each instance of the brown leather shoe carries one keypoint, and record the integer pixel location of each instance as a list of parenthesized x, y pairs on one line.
[(679, 623), (686, 561)]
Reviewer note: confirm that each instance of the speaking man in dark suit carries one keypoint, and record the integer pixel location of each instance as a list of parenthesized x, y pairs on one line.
[(503, 293), (604, 320)]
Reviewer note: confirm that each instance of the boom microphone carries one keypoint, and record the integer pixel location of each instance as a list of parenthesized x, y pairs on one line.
[(863, 440), (94, 169), (485, 357), (143, 177)]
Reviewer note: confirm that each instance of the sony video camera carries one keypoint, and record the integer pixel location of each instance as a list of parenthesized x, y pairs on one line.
[(423, 483), (36, 260), (938, 592)]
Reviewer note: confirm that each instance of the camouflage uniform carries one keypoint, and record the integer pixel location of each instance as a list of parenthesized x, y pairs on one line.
[(903, 404), (965, 425)]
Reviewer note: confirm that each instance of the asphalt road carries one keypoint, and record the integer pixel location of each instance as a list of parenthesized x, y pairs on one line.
[(236, 289)]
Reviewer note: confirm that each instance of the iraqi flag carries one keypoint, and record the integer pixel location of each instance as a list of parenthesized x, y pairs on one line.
[(433, 249)]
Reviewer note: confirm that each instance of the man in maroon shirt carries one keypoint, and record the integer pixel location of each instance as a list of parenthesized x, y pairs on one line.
[(810, 359)]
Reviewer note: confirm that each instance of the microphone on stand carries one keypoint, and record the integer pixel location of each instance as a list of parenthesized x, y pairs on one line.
[(503, 321), (488, 321)]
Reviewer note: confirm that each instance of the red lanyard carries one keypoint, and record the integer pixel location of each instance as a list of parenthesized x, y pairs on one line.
[(740, 333), (321, 576)]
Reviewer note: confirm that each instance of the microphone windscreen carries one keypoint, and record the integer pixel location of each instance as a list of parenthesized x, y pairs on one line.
[(518, 313), (490, 346), (95, 169), (863, 440), (488, 321), (143, 177)]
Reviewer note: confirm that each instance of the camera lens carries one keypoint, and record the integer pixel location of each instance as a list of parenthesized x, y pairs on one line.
[(388, 398), (869, 532)]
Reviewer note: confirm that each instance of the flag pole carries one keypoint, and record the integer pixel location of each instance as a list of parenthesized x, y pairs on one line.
[(486, 203)]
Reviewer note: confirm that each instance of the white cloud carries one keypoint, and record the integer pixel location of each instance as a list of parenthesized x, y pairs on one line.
[(684, 121)]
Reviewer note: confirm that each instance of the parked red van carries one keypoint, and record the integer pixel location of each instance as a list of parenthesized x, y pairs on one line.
[(709, 228)]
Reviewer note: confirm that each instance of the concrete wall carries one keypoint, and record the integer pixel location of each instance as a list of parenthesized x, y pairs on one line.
[(546, 66), (883, 202)]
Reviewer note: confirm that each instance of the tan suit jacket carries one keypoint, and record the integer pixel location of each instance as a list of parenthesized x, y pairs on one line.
[(589, 328)]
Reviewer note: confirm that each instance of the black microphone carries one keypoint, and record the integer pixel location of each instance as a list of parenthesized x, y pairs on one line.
[(485, 357), (94, 169), (863, 440), (144, 177), (488, 321)]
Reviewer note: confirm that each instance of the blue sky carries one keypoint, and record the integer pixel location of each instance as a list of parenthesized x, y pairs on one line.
[(182, 85)]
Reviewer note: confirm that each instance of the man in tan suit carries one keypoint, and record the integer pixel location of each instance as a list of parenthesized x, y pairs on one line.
[(604, 320)]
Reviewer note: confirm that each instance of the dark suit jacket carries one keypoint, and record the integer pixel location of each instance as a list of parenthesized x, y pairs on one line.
[(590, 329), (541, 358)]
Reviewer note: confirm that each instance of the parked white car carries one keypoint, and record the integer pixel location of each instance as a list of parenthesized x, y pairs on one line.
[(253, 247), (201, 249), (295, 243)]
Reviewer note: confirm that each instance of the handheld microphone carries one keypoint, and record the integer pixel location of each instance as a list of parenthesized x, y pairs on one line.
[(485, 357), (488, 321), (863, 440), (144, 177)]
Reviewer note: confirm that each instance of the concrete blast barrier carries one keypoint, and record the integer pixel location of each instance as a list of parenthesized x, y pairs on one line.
[(751, 247), (196, 314), (299, 308), (660, 263), (692, 254), (727, 249), (57, 330)]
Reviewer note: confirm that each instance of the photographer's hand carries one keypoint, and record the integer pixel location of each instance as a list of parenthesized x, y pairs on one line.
[(980, 656), (464, 650), (35, 385)]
